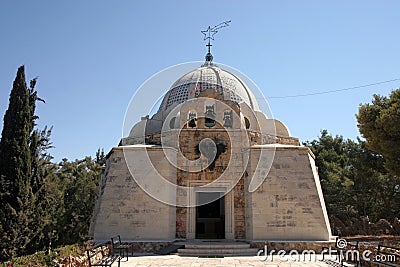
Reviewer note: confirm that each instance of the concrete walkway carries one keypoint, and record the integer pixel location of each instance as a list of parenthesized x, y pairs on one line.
[(176, 261)]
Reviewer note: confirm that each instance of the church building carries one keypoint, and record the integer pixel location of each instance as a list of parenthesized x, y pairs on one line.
[(209, 164)]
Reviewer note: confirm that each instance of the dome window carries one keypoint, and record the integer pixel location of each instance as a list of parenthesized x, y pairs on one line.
[(209, 122), (192, 117), (172, 123), (209, 116), (247, 122), (228, 122)]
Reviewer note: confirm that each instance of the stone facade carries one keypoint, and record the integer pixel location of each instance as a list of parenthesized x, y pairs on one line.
[(153, 186), (123, 208), (240, 210), (289, 204)]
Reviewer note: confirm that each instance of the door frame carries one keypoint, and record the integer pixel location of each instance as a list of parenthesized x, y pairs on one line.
[(195, 186)]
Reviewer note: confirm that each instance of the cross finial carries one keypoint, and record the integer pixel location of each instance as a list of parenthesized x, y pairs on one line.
[(209, 34)]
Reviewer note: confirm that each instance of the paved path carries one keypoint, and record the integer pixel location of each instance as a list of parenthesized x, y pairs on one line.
[(176, 261)]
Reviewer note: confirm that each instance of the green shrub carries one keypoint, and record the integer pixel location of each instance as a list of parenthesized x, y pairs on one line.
[(45, 259), (39, 259)]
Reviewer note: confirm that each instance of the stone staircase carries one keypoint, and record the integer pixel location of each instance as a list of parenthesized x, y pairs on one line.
[(217, 249)]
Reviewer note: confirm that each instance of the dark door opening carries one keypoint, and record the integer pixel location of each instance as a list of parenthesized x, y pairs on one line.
[(210, 218)]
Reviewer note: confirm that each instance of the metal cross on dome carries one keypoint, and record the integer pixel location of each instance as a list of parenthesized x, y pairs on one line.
[(209, 34)]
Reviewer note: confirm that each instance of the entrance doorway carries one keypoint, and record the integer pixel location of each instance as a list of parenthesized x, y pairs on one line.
[(210, 218)]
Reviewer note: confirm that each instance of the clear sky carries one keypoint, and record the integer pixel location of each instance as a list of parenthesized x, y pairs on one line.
[(91, 56)]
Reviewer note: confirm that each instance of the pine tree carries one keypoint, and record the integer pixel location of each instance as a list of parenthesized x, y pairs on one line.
[(379, 124)]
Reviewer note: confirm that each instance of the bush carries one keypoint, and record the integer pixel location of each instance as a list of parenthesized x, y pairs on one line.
[(46, 259), (40, 259)]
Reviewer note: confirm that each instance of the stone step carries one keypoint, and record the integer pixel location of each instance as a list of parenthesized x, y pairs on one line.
[(336, 263), (212, 245), (218, 250), (205, 255)]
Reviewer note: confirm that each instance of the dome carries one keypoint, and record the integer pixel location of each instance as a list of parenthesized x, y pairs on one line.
[(209, 76)]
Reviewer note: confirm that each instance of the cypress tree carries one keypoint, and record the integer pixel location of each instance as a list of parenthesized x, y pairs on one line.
[(16, 171), (15, 156)]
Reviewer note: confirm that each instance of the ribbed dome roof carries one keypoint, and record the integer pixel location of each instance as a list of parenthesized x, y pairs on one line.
[(210, 76)]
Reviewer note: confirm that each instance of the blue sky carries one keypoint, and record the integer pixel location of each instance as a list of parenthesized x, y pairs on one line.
[(91, 56)]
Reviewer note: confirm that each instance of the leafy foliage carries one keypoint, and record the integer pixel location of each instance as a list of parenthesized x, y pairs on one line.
[(353, 179), (379, 123), (79, 183), (46, 258)]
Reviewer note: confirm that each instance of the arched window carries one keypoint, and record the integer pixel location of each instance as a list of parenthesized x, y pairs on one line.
[(192, 118), (209, 116), (172, 123), (246, 123), (209, 122)]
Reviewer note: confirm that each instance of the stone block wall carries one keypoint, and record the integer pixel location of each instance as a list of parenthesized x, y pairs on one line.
[(239, 210), (124, 209), (289, 204)]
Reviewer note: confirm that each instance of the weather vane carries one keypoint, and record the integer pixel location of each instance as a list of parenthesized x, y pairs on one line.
[(209, 34)]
